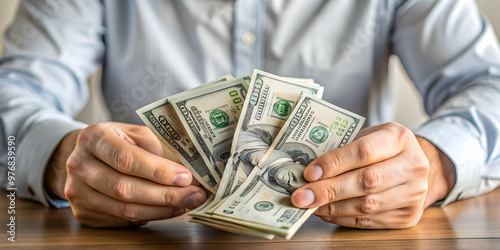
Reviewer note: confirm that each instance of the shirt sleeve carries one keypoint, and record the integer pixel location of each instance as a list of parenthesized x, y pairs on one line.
[(452, 55), (50, 50)]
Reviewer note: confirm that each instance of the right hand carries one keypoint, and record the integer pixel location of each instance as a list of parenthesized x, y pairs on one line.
[(116, 177)]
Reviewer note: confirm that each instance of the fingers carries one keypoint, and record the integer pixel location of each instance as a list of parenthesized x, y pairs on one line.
[(394, 219), (104, 142), (360, 182), (391, 199), (115, 178), (366, 131), (100, 220), (89, 206), (131, 189), (145, 139), (195, 182), (385, 142), (377, 181)]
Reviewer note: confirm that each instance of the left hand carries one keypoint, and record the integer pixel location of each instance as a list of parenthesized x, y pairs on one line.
[(380, 180)]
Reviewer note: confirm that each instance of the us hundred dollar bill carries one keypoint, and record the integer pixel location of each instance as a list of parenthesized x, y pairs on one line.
[(232, 228), (263, 201), (268, 105), (161, 118), (209, 116)]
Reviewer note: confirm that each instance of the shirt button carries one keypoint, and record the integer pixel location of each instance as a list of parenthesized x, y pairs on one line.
[(248, 38)]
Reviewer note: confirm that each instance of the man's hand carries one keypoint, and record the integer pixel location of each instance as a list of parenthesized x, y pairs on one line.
[(383, 179), (116, 177)]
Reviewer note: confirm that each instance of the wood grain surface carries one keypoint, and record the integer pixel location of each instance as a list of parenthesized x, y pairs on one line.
[(468, 224)]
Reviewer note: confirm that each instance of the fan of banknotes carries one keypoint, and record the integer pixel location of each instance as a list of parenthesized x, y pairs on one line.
[(247, 140)]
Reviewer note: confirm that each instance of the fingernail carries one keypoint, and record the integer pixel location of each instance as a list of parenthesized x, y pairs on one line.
[(314, 173), (304, 197), (182, 180), (327, 218), (193, 200), (179, 212)]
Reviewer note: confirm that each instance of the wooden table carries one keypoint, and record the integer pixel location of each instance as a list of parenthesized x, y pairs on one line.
[(469, 224)]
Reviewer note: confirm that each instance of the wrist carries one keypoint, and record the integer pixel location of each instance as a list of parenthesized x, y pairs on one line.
[(442, 174), (55, 172)]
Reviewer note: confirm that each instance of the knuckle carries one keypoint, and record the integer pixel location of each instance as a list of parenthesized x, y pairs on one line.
[(92, 138), (402, 133), (160, 173), (419, 162), (362, 221), (101, 126), (417, 198), (418, 159), (73, 163), (389, 126), (70, 192), (169, 197), (331, 192), (420, 194), (90, 133), (368, 205), (411, 216), (370, 180), (332, 208), (365, 151), (121, 189), (129, 211), (331, 161), (405, 132), (123, 160), (394, 126), (85, 135)]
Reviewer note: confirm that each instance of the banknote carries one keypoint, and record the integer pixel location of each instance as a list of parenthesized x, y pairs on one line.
[(263, 201), (270, 101), (232, 227), (220, 132), (161, 118), (306, 83), (209, 116), (221, 79), (301, 80)]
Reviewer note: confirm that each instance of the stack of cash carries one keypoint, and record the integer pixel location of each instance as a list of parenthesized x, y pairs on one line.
[(247, 141)]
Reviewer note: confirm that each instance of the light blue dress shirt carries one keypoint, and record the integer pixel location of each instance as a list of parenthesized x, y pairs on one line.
[(153, 49)]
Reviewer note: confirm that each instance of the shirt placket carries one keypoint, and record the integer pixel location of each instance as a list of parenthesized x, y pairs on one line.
[(248, 36)]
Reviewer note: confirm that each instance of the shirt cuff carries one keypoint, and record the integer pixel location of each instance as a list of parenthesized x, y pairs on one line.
[(34, 151), (457, 141), (57, 203)]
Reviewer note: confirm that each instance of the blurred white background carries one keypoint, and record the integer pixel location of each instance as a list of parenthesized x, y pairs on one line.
[(409, 110)]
